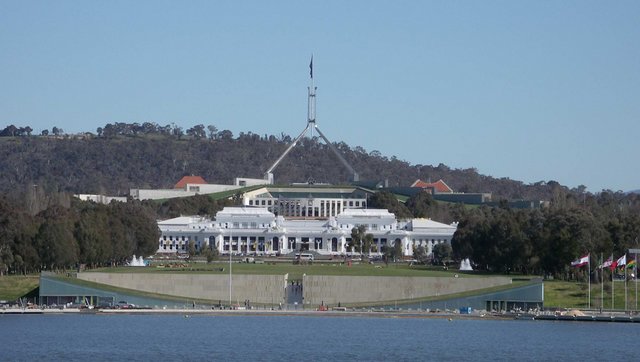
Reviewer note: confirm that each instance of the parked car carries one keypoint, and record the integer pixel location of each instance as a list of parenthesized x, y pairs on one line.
[(124, 305)]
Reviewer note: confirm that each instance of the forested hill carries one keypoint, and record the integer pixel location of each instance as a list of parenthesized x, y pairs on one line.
[(118, 159)]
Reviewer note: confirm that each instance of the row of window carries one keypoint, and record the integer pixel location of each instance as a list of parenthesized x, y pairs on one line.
[(270, 202), (372, 227), (260, 202), (244, 225)]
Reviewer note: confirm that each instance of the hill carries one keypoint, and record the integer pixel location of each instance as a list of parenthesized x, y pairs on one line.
[(113, 164)]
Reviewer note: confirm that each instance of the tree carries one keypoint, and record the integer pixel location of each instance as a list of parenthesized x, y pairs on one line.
[(92, 233), (9, 131), (213, 131), (57, 247), (357, 236), (191, 248), (441, 252), (225, 135), (387, 200), (367, 243), (197, 132), (210, 252), (177, 131), (421, 204), (387, 253), (6, 258), (397, 249), (420, 254)]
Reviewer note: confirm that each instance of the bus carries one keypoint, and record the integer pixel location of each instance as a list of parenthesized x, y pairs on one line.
[(304, 256)]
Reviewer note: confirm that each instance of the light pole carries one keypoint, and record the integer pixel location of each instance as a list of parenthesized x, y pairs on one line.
[(230, 266)]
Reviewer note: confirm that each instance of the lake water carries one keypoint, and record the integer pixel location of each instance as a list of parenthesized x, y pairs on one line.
[(295, 338)]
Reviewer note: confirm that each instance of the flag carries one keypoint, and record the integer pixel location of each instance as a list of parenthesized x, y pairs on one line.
[(581, 262), (620, 262), (311, 67), (631, 264), (607, 263)]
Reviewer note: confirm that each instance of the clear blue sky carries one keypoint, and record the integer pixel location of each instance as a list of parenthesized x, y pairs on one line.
[(529, 90)]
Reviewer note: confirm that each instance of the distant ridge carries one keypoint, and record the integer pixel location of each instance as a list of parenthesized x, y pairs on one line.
[(634, 191)]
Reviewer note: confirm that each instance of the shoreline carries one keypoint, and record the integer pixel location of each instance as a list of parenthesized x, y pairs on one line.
[(254, 312), (451, 316)]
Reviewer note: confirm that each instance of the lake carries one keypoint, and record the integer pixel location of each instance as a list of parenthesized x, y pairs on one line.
[(96, 337)]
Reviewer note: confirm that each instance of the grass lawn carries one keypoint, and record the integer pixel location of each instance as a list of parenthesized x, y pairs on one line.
[(575, 295), (296, 271), (13, 287)]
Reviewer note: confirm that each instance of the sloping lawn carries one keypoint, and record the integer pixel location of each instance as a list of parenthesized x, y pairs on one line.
[(13, 287)]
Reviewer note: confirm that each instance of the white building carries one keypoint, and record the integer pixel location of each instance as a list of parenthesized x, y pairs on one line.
[(100, 199), (256, 230), (306, 201)]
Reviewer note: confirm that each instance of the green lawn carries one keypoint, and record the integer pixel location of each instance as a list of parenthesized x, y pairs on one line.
[(13, 287), (296, 271), (575, 295)]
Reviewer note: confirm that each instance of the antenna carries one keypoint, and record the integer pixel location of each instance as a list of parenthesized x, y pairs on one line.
[(311, 125)]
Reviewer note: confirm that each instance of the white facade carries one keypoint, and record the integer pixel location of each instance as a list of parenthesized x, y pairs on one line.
[(100, 199), (256, 230), (306, 202)]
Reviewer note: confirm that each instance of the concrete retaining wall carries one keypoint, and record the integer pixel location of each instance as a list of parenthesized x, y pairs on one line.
[(350, 290), (267, 289), (270, 289)]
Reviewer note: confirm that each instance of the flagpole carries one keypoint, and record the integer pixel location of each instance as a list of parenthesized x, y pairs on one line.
[(625, 281), (601, 283), (230, 266), (613, 289), (589, 280)]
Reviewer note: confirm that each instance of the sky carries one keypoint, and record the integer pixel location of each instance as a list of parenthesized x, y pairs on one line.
[(527, 90)]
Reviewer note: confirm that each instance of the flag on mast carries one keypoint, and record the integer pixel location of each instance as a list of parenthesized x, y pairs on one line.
[(607, 263), (311, 67), (581, 262), (631, 263), (622, 261)]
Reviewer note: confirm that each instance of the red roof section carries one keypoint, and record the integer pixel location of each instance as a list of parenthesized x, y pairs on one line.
[(439, 186), (189, 180)]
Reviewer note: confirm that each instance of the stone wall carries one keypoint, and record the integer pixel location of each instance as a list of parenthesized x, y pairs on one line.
[(268, 289), (332, 290)]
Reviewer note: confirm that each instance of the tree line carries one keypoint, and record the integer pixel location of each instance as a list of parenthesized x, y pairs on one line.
[(59, 232), (65, 236), (528, 241), (63, 232), (545, 241), (120, 156)]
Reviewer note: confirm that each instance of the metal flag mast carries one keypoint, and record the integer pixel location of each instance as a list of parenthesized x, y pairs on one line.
[(311, 125)]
